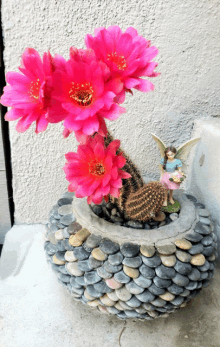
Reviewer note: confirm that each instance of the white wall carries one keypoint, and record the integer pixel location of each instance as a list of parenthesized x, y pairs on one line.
[(187, 35)]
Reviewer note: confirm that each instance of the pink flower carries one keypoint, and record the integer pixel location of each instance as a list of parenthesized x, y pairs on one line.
[(28, 94), (128, 56), (82, 89), (94, 171)]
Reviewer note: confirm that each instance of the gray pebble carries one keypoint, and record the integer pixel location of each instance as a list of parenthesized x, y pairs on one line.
[(64, 278), (129, 250), (55, 213), (165, 272), (53, 227), (64, 201), (175, 289), (93, 241), (158, 302), (79, 291), (60, 255), (156, 290), (50, 248), (146, 296), (106, 213), (199, 285), (183, 268), (135, 224), (146, 226), (63, 283), (185, 293), (65, 209), (202, 229), (60, 225), (132, 262), (177, 301), (101, 287), (92, 277), (115, 259), (108, 247), (180, 280), (191, 285), (131, 314), (194, 275), (65, 233), (199, 205), (112, 268), (151, 262), (207, 241), (97, 209), (74, 283), (204, 220), (94, 263), (80, 280), (67, 219), (68, 195), (196, 249), (203, 212), (117, 219), (112, 309), (101, 271), (73, 228), (55, 267), (67, 245), (191, 198), (214, 236), (88, 249), (161, 283), (193, 237), (134, 302), (80, 253), (208, 251), (60, 246), (147, 272), (84, 265), (174, 216), (143, 282), (204, 267), (121, 277), (133, 288)]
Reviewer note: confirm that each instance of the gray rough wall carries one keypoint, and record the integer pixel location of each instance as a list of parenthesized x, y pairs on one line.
[(187, 35)]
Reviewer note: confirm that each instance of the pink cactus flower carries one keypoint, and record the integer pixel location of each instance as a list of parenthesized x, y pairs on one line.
[(95, 171), (128, 56), (83, 90), (28, 94)]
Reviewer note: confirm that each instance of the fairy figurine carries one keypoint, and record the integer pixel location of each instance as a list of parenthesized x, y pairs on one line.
[(171, 165)]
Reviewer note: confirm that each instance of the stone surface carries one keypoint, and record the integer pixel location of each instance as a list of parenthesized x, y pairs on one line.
[(175, 289), (208, 251), (108, 247), (122, 277), (84, 265), (93, 241), (92, 277), (183, 268), (198, 260), (123, 294), (196, 249), (67, 219), (106, 300), (80, 253), (161, 283), (173, 216), (101, 271), (204, 267), (102, 287), (204, 220), (129, 250), (94, 262), (207, 241), (183, 244), (158, 302), (193, 237), (133, 288), (147, 251), (113, 284), (65, 209), (152, 261), (183, 256), (133, 273), (167, 296), (73, 228), (147, 271), (77, 239), (112, 295), (58, 261), (73, 269), (165, 272), (115, 259), (59, 235), (112, 268), (98, 254), (180, 280), (132, 262), (145, 297), (202, 229), (168, 260), (166, 249), (156, 290), (134, 302), (142, 281)]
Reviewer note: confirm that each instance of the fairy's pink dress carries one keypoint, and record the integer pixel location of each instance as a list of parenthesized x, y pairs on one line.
[(169, 170)]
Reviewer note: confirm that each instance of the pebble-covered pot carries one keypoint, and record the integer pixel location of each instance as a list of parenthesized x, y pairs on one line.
[(129, 272)]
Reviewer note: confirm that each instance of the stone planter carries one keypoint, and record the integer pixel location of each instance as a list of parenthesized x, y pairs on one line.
[(131, 273)]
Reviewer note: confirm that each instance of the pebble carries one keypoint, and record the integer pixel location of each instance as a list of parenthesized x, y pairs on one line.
[(59, 235), (53, 227), (140, 310), (52, 238), (60, 246), (203, 212), (122, 277), (204, 267), (57, 261), (65, 233), (212, 258), (112, 295), (91, 290), (133, 262), (55, 267), (79, 291), (198, 260), (153, 314), (192, 285), (106, 213), (129, 250), (174, 216), (166, 249), (108, 247), (119, 307), (194, 237), (180, 280), (175, 289), (133, 288), (156, 290), (191, 197), (113, 284), (208, 251), (77, 239), (122, 315), (84, 265), (135, 224), (134, 302), (64, 201), (199, 205), (143, 282), (146, 226), (97, 209), (80, 280), (63, 269), (132, 314), (148, 307), (106, 300), (72, 268), (74, 283), (73, 228), (115, 259), (102, 287), (161, 283), (117, 219), (123, 294), (183, 268), (196, 249), (92, 277), (159, 302), (98, 254), (103, 273), (93, 241), (168, 260), (60, 255), (67, 219), (80, 253), (114, 211), (65, 209), (67, 246), (146, 296), (214, 236), (165, 272), (50, 248), (185, 257), (162, 223), (202, 229), (204, 220), (152, 262), (185, 293), (112, 268), (147, 271), (88, 296), (177, 301), (183, 244), (133, 273), (147, 251), (207, 241), (94, 262)]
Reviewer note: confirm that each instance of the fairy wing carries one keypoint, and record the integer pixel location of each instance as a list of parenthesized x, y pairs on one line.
[(161, 145), (184, 150)]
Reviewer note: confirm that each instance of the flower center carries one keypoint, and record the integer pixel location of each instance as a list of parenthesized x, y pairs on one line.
[(35, 89), (96, 169), (119, 60), (81, 94)]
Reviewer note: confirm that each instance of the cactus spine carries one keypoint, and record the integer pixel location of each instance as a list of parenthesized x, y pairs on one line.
[(145, 203)]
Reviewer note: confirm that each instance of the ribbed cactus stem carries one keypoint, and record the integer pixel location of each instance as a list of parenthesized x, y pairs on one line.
[(145, 203)]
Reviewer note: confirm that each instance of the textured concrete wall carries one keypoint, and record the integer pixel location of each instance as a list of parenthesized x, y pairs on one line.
[(187, 35)]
